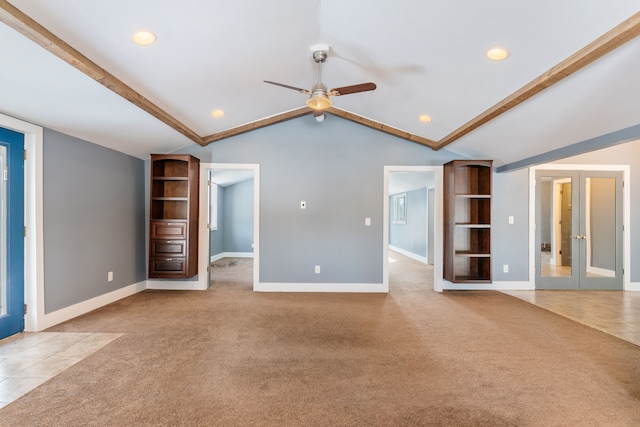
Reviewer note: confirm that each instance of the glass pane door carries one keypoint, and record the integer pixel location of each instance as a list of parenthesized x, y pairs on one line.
[(601, 232), (578, 230), (556, 222)]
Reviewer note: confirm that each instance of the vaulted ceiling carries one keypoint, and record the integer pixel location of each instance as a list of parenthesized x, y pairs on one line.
[(571, 74)]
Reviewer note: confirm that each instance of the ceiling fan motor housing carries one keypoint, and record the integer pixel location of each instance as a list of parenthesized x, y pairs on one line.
[(319, 56)]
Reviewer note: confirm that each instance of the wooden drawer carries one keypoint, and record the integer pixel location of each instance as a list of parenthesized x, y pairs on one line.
[(166, 267), (168, 248), (168, 230)]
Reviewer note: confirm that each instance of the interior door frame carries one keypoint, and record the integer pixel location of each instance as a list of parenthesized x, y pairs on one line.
[(204, 234), (36, 319), (438, 224), (626, 215)]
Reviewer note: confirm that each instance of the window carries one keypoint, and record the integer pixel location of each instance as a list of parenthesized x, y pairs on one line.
[(213, 206), (400, 208)]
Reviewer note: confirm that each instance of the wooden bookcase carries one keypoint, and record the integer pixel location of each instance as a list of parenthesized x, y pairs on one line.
[(467, 221), (173, 231)]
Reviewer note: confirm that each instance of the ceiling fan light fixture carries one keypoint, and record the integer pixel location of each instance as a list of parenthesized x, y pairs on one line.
[(319, 102)]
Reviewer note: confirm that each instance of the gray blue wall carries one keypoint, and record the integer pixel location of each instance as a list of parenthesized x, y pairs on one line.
[(337, 167), (216, 237), (94, 220), (94, 204), (510, 243), (235, 219), (412, 236), (238, 217)]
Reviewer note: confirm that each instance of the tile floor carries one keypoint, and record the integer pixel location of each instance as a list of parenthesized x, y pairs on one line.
[(613, 312), (28, 360)]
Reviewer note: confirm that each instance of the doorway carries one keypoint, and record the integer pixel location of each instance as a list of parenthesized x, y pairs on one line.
[(11, 232), (233, 217), (424, 244), (579, 230)]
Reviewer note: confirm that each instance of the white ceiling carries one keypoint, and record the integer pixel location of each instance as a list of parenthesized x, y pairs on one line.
[(426, 56)]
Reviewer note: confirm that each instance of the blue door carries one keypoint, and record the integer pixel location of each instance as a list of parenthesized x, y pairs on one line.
[(11, 232)]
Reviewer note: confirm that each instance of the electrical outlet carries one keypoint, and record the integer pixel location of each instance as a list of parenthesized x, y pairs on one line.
[(505, 268), (110, 276), (317, 269)]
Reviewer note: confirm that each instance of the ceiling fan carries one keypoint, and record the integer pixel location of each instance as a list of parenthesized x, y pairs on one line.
[(319, 95)]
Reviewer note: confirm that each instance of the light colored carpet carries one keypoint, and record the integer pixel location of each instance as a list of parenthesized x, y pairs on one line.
[(232, 357)]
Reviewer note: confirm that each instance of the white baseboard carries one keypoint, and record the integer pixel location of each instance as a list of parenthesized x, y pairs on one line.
[(67, 313), (495, 286), (409, 254), (633, 287), (175, 285), (322, 287), (231, 255)]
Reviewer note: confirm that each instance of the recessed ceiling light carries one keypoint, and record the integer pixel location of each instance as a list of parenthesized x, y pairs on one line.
[(144, 38), (217, 113), (424, 118), (497, 54)]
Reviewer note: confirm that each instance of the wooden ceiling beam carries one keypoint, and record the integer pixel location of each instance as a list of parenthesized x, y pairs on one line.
[(382, 127), (28, 27), (595, 50), (278, 118), (19, 21)]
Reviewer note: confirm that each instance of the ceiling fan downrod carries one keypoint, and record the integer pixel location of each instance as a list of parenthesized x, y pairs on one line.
[(319, 99)]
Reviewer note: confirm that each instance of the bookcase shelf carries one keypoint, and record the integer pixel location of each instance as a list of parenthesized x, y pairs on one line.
[(173, 237), (467, 221)]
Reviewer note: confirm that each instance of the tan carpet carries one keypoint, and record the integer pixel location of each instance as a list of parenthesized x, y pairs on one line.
[(229, 356)]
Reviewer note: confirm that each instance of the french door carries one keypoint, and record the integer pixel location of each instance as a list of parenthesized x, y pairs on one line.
[(11, 232), (579, 230)]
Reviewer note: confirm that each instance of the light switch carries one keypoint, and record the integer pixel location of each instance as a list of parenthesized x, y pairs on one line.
[(303, 205), (367, 221), (510, 219)]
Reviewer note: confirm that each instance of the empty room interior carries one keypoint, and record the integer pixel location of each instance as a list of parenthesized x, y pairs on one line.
[(320, 213)]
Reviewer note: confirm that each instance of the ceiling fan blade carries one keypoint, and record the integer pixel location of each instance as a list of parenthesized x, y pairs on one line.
[(306, 92), (346, 90)]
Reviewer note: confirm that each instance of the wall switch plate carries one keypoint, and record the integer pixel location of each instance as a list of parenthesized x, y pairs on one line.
[(317, 269), (510, 219), (505, 268), (110, 276), (303, 205), (367, 221)]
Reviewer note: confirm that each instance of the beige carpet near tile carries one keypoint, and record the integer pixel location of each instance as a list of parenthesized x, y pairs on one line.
[(232, 357)]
